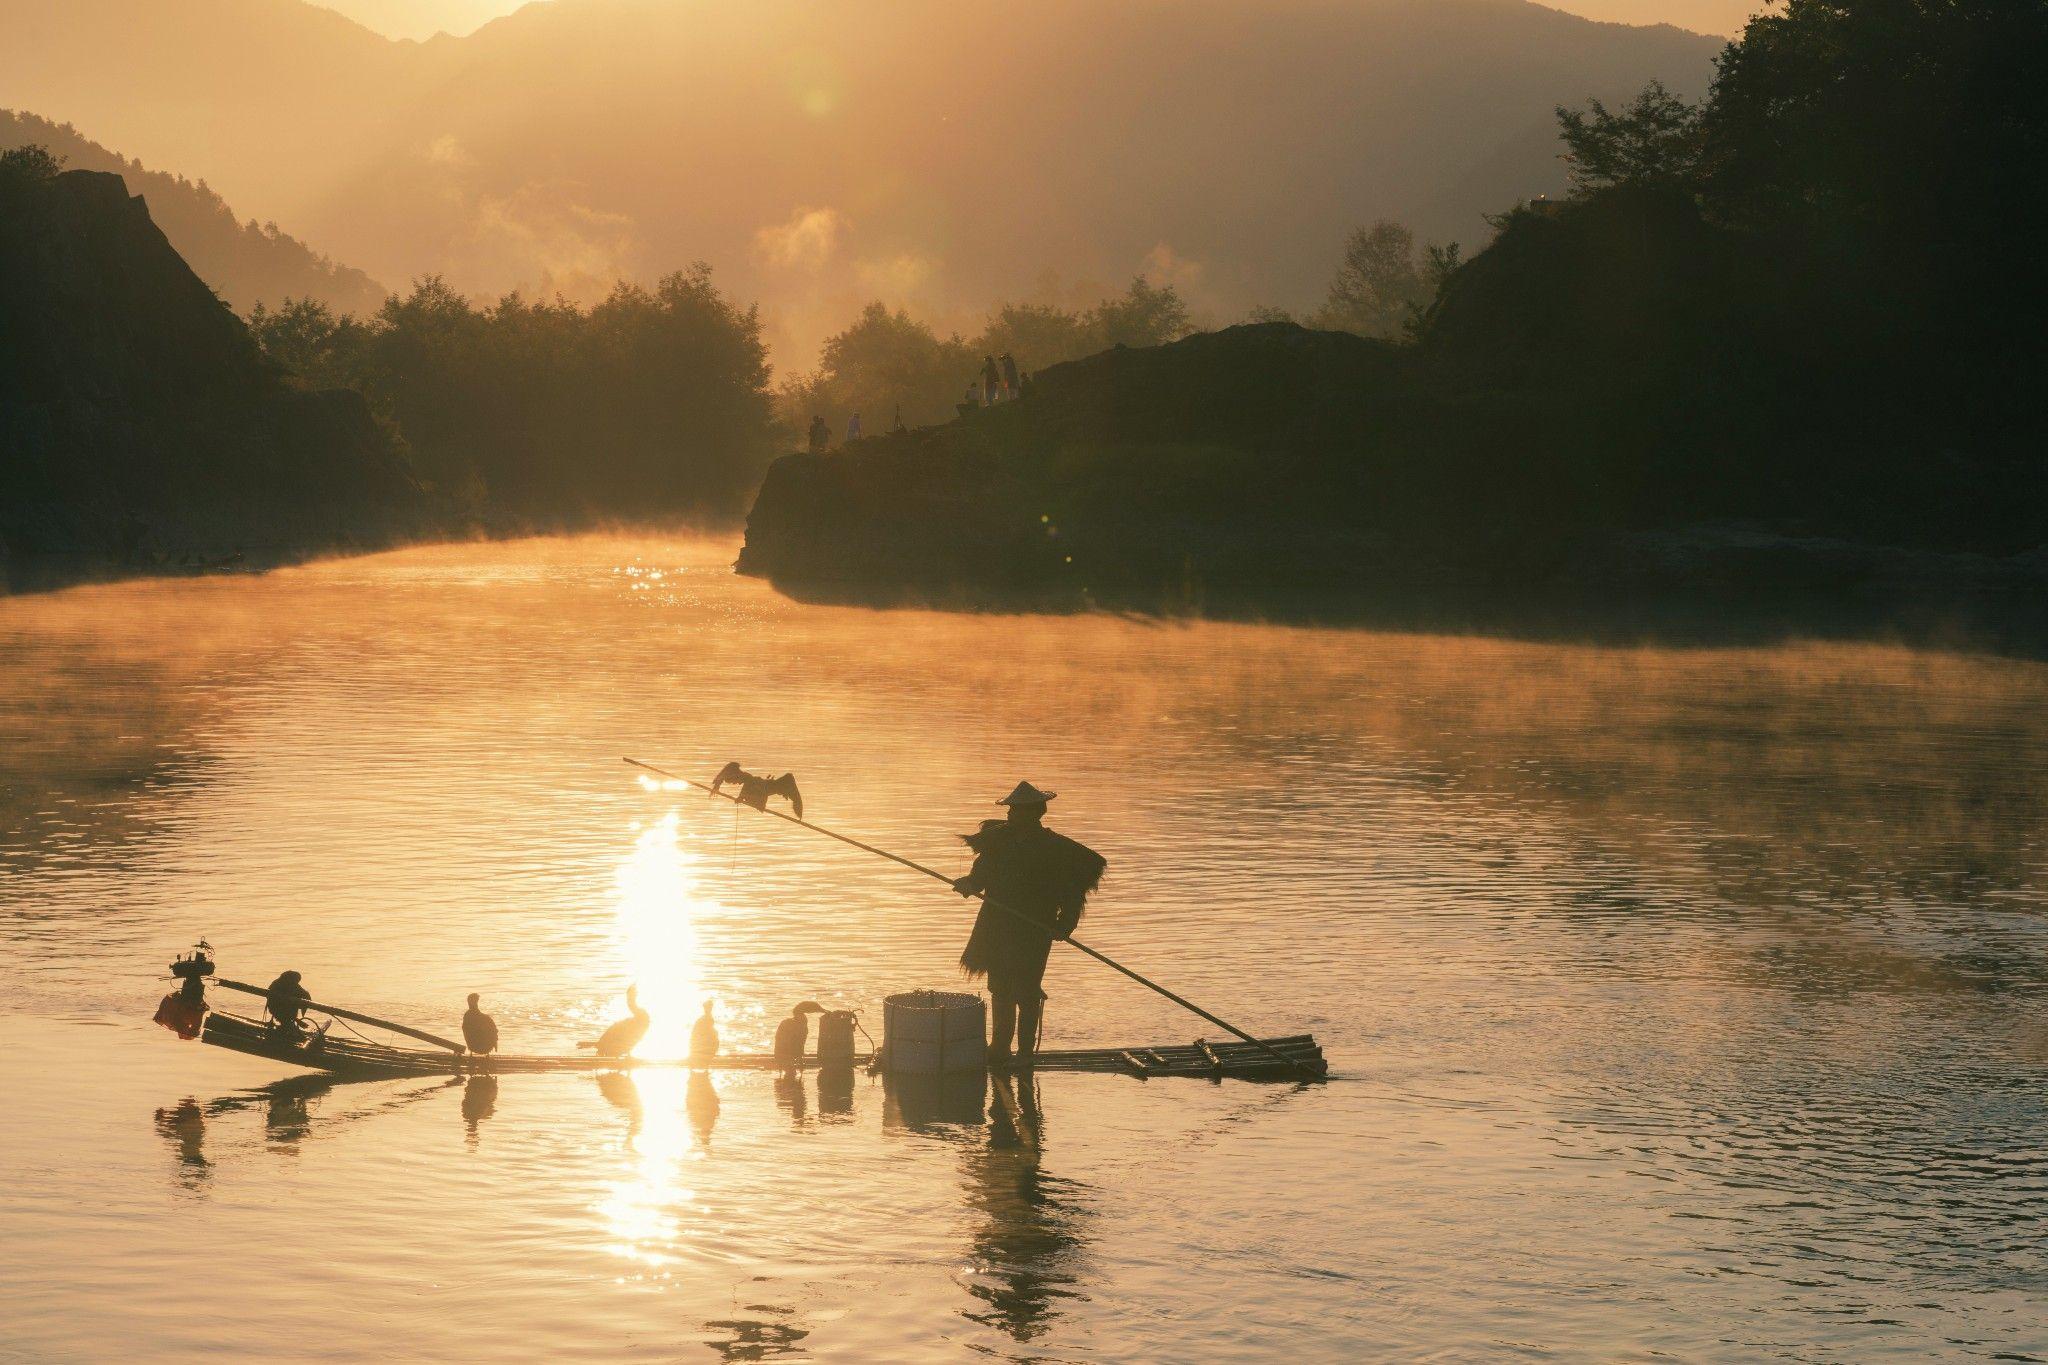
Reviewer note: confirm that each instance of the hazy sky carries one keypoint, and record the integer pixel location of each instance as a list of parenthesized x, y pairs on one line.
[(423, 18)]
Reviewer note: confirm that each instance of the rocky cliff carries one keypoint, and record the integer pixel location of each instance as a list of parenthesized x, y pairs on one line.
[(137, 418)]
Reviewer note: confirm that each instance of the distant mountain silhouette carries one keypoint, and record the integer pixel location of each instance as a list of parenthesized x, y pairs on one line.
[(821, 155), (422, 19), (246, 263), (137, 417)]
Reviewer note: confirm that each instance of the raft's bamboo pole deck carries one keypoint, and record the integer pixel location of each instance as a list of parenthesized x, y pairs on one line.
[(342, 1056)]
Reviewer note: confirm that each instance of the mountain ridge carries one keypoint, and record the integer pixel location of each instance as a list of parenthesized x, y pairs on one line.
[(823, 156), (246, 263)]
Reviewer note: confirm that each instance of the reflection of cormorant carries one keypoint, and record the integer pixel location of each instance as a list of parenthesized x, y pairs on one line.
[(700, 1101), (789, 1095), (1028, 1242), (479, 1102), (479, 1030), (619, 1090), (621, 1038), (756, 1340)]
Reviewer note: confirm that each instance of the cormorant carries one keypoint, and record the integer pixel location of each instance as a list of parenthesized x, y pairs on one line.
[(621, 1038), (479, 1030), (793, 1033), (704, 1036)]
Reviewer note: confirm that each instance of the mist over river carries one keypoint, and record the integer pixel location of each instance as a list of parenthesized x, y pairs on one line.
[(1682, 1002)]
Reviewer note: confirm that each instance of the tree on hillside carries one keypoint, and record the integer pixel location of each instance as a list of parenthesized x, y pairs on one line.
[(1037, 334), (884, 360), (888, 359), (1653, 140), (1379, 284), (1143, 315), (29, 165)]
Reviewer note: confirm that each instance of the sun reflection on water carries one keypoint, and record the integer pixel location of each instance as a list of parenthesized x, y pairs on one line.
[(648, 1211), (658, 904), (656, 935)]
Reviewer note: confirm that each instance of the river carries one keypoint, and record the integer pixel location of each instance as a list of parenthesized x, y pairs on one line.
[(1682, 1002)]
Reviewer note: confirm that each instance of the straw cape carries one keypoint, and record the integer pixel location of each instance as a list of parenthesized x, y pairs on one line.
[(1031, 871)]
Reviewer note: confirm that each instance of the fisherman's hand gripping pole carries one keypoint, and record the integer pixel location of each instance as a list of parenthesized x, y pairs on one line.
[(733, 773)]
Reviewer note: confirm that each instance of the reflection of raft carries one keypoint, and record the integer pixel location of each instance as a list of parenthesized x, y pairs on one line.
[(351, 1057)]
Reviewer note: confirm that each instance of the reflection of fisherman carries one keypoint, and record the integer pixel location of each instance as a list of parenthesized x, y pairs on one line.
[(284, 1000), (1034, 883)]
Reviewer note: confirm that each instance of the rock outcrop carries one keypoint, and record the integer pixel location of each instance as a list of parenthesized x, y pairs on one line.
[(137, 418), (1273, 469)]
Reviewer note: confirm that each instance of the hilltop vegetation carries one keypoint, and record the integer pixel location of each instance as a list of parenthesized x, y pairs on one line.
[(651, 405), (247, 263), (888, 363), (1808, 305)]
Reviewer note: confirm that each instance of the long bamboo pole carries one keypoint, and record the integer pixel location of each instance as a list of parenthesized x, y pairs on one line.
[(348, 1014), (1295, 1064)]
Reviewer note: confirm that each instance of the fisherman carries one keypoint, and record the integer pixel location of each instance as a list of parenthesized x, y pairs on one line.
[(1011, 386), (898, 427), (283, 1001), (704, 1037), (991, 381), (1034, 884), (821, 435), (853, 429)]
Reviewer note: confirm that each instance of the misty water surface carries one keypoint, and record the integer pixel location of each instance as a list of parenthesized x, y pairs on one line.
[(1682, 1002)]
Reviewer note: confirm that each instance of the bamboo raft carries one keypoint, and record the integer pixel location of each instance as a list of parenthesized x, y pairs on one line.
[(365, 1060)]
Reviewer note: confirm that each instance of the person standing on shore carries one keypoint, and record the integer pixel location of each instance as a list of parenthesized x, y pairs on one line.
[(1034, 884)]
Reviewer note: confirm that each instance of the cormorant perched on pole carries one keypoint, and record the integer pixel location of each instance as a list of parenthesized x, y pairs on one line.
[(621, 1038)]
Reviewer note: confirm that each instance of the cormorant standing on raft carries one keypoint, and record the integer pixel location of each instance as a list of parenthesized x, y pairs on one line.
[(793, 1034), (704, 1037), (1022, 868), (621, 1038), (479, 1030)]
